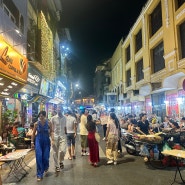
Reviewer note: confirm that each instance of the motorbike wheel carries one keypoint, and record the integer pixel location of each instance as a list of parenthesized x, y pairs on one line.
[(131, 151), (160, 163)]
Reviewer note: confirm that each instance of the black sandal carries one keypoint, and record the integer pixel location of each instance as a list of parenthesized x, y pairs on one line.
[(61, 165)]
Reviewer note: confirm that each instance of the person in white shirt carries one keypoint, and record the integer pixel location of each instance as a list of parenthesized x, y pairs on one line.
[(59, 144), (84, 132), (70, 130), (104, 120)]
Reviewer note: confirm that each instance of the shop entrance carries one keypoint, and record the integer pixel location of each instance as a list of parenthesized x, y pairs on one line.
[(159, 106)]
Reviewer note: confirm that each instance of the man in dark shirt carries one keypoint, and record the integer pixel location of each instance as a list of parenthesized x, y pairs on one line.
[(143, 124)]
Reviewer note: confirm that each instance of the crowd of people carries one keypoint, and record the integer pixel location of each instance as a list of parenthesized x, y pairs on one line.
[(59, 133)]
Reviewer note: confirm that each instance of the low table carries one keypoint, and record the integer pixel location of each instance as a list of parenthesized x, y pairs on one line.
[(177, 154), (16, 163)]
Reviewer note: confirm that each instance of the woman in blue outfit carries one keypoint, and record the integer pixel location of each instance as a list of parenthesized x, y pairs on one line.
[(41, 134)]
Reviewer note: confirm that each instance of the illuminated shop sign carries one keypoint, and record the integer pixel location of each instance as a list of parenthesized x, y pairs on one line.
[(34, 78), (51, 90), (44, 87), (60, 90), (12, 63)]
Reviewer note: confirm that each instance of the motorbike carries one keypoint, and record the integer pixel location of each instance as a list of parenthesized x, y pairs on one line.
[(130, 142)]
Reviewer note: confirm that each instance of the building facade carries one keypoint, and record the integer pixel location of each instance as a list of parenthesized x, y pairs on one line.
[(152, 61)]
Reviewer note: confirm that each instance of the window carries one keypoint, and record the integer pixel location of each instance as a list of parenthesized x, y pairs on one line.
[(128, 78), (158, 60), (182, 39), (138, 41), (156, 19), (139, 70), (180, 3), (13, 13), (128, 53)]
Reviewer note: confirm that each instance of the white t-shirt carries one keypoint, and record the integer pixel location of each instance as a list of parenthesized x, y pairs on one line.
[(112, 126), (70, 124), (59, 124)]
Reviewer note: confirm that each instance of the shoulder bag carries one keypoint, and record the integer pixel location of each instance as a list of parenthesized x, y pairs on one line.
[(97, 137)]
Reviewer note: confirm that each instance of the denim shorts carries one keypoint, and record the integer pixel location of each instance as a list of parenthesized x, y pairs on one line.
[(70, 139)]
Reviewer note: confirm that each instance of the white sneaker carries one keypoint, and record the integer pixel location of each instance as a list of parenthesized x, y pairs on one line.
[(104, 139), (115, 162), (87, 153), (110, 162)]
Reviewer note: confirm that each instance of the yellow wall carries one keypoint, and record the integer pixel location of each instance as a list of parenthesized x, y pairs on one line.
[(168, 33)]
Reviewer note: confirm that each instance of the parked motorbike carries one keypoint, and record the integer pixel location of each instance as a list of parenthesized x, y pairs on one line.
[(130, 142)]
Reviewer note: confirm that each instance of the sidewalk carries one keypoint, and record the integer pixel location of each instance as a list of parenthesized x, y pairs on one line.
[(29, 160)]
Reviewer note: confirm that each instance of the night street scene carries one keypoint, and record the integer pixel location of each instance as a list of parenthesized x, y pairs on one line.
[(92, 92)]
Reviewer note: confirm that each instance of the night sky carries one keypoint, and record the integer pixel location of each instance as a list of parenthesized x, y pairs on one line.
[(96, 27)]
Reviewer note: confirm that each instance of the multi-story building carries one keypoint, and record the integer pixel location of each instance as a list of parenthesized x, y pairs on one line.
[(102, 82), (29, 47), (152, 61)]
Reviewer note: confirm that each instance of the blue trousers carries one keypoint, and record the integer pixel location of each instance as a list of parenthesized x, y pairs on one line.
[(42, 152)]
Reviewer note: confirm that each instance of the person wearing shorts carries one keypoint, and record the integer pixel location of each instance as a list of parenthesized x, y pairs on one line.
[(71, 134)]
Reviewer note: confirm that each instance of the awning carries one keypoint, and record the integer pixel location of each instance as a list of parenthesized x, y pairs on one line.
[(169, 83), (56, 101), (9, 86)]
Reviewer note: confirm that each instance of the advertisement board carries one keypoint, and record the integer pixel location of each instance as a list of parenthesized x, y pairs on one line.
[(51, 90), (12, 63), (44, 87), (60, 90), (34, 78)]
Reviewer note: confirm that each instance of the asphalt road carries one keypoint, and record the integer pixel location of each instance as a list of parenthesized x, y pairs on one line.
[(131, 170)]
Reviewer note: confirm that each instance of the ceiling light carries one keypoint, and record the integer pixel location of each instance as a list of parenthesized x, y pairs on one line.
[(5, 93), (10, 87), (13, 83), (1, 84)]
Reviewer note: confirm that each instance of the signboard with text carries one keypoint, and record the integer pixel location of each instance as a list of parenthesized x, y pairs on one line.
[(12, 63), (34, 78)]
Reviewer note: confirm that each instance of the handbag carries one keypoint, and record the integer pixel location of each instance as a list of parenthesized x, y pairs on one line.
[(97, 137)]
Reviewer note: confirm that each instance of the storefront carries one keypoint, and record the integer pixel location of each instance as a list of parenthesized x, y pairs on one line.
[(148, 105), (181, 101), (13, 74), (172, 107), (47, 91), (29, 92), (158, 104)]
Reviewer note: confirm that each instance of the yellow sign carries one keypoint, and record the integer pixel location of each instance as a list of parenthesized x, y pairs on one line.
[(12, 63)]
